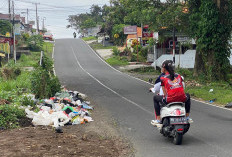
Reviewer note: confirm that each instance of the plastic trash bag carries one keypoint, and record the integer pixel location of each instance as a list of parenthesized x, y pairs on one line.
[(44, 118), (88, 119)]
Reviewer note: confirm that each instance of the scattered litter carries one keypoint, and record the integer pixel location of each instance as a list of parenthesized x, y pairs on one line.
[(211, 90), (229, 105), (213, 100), (65, 108)]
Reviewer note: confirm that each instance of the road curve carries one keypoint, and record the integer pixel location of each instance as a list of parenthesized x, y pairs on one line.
[(127, 99)]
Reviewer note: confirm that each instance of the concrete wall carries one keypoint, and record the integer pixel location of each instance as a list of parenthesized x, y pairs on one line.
[(186, 60)]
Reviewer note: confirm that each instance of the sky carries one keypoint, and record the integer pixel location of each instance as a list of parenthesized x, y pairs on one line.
[(54, 12)]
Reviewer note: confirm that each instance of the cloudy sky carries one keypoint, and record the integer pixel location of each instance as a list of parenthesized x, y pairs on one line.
[(55, 12)]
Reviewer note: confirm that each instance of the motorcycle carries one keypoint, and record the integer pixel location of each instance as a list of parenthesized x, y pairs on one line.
[(174, 122)]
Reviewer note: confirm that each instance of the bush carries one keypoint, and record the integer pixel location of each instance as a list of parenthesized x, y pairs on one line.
[(116, 52), (26, 36), (185, 72), (10, 116), (27, 100), (35, 43), (8, 73), (144, 52), (54, 86), (43, 82)]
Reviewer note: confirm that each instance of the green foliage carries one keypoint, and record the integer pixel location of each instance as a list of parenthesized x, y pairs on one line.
[(10, 72), (185, 72), (116, 52), (211, 25), (119, 30), (26, 36), (89, 23), (89, 38), (97, 46), (146, 70), (43, 82), (54, 85), (117, 61), (10, 116), (35, 42), (222, 92), (27, 101), (5, 26)]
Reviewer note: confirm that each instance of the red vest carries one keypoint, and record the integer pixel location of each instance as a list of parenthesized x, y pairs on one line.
[(174, 89)]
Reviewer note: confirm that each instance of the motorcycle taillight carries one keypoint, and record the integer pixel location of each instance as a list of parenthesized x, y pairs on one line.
[(177, 112)]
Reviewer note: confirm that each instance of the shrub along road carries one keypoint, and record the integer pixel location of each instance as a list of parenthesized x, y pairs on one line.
[(128, 100)]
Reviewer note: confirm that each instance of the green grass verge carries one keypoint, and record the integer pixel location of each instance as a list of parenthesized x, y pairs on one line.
[(97, 46), (48, 48), (31, 60), (22, 81), (145, 70), (89, 38), (221, 93), (117, 61)]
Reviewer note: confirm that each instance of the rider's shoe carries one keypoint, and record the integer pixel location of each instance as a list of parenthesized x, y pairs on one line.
[(156, 123), (190, 120)]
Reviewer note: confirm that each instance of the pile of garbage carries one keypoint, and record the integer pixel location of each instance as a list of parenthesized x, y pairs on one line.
[(65, 108)]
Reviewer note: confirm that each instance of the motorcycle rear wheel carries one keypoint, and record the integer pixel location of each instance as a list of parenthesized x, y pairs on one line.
[(178, 138)]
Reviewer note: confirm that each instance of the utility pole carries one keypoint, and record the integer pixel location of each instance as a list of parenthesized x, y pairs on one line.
[(14, 48), (27, 16), (9, 11), (44, 18), (37, 18), (174, 37)]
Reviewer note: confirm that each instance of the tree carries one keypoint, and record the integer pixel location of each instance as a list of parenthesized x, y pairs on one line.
[(5, 26), (96, 13), (211, 26)]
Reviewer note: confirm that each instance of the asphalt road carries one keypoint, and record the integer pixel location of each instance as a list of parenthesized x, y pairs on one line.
[(129, 102)]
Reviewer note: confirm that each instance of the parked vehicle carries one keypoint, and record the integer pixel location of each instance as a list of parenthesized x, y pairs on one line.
[(48, 36), (174, 122)]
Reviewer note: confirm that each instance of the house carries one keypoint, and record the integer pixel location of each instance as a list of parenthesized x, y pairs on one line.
[(93, 31), (131, 37), (185, 49), (20, 23)]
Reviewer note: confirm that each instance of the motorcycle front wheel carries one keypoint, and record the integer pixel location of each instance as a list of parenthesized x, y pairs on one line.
[(178, 138)]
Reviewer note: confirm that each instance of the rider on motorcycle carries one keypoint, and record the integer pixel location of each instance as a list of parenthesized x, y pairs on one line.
[(173, 91)]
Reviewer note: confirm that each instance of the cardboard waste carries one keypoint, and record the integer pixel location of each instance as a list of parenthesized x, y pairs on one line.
[(66, 107)]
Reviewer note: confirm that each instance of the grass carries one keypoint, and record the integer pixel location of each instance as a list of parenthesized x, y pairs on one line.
[(97, 46), (89, 38), (31, 60), (28, 60), (117, 61), (221, 92), (48, 48), (22, 81), (145, 70)]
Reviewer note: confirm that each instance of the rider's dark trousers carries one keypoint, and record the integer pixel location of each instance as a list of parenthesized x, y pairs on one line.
[(159, 99)]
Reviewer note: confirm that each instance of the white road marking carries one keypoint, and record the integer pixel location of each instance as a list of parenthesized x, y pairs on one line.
[(150, 83), (137, 105)]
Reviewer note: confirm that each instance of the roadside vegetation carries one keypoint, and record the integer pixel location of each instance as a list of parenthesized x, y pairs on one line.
[(97, 46), (17, 82), (89, 38)]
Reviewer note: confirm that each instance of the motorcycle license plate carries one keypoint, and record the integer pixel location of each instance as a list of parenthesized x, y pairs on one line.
[(179, 120)]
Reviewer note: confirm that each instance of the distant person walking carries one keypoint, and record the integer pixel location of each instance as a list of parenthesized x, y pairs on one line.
[(74, 34)]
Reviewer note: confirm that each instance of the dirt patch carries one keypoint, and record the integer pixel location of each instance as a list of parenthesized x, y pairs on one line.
[(100, 138)]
